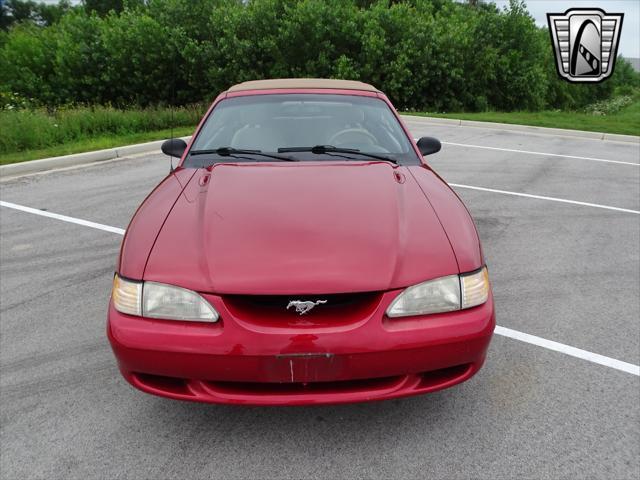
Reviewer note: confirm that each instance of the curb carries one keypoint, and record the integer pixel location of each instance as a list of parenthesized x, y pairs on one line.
[(35, 166), (524, 128)]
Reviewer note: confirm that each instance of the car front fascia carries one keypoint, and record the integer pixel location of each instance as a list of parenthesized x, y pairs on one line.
[(201, 361)]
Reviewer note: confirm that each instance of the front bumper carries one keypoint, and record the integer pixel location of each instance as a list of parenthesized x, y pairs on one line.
[(233, 361)]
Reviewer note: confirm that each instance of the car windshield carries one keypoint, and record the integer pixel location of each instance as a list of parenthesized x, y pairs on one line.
[(301, 127)]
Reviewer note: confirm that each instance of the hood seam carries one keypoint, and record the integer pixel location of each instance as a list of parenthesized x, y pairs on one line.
[(155, 240), (446, 234)]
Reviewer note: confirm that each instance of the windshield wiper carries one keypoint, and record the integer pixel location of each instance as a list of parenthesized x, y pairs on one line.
[(322, 149), (230, 152)]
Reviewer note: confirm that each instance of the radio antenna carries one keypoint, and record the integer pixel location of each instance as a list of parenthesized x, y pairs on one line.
[(172, 105)]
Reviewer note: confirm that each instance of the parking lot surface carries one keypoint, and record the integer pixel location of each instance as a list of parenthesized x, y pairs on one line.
[(564, 272)]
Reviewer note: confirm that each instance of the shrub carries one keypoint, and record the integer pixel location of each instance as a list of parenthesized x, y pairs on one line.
[(610, 106), (425, 54)]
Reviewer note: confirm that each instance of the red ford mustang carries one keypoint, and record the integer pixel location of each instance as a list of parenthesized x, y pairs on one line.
[(302, 252)]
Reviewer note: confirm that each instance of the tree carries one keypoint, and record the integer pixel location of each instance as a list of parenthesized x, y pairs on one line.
[(49, 14), (40, 13), (103, 7)]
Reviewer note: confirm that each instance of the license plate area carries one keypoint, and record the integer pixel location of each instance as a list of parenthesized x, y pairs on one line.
[(305, 367)]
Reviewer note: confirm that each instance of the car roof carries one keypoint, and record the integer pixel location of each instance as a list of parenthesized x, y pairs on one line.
[(302, 83)]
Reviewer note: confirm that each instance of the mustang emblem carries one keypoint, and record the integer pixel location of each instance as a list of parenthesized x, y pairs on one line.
[(304, 307)]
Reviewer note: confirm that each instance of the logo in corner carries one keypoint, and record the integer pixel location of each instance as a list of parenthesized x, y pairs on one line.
[(585, 43), (304, 307)]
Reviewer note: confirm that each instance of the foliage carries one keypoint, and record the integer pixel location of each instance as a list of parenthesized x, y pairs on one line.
[(440, 55), (37, 128), (103, 7), (16, 11), (610, 106)]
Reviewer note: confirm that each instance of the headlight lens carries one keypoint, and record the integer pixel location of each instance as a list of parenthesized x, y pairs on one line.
[(441, 295), (444, 294), (165, 301), (157, 300)]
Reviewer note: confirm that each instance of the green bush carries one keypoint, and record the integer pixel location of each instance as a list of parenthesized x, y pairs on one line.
[(610, 106), (437, 55), (26, 63)]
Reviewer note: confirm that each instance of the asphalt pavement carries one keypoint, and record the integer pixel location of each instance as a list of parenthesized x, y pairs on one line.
[(564, 272)]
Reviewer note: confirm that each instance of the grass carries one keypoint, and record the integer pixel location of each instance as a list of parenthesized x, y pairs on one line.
[(626, 121), (96, 143), (32, 134)]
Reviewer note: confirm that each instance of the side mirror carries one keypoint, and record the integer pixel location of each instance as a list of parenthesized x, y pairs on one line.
[(429, 145), (174, 147)]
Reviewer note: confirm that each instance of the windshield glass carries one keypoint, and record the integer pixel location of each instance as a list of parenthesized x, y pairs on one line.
[(277, 122)]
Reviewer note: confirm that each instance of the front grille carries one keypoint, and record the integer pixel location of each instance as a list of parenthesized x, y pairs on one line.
[(339, 308)]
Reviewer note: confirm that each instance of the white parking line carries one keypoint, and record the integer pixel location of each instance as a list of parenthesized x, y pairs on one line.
[(569, 350), (506, 332), (64, 218), (551, 199), (528, 152)]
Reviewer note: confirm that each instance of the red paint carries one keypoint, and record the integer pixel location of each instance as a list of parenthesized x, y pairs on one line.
[(308, 227), (296, 229)]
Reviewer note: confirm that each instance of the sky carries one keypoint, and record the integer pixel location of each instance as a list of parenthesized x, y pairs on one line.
[(630, 37), (629, 45)]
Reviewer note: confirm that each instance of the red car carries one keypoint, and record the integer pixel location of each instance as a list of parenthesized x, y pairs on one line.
[(302, 252)]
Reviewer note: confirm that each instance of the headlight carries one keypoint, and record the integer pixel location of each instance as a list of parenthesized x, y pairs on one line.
[(164, 301), (444, 294), (441, 295), (157, 300)]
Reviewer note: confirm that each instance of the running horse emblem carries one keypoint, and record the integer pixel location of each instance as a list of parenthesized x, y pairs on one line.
[(304, 307)]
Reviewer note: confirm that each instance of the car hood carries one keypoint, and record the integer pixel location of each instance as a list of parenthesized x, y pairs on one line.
[(305, 228)]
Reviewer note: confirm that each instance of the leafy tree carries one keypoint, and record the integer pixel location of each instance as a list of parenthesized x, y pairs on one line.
[(103, 7), (442, 55), (5, 18), (48, 14), (26, 63), (80, 61), (16, 11), (20, 10)]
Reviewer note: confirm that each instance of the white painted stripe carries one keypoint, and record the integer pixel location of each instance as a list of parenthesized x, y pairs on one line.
[(528, 152), (568, 350), (64, 218), (551, 199), (507, 332)]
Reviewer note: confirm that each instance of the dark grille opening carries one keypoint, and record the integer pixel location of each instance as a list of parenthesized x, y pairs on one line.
[(341, 308), (438, 377), (345, 386), (203, 389), (162, 383)]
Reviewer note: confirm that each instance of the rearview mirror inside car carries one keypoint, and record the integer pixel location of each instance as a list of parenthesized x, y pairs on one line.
[(429, 145), (174, 147)]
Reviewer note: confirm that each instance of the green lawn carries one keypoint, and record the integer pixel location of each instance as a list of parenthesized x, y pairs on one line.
[(626, 121), (97, 143)]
